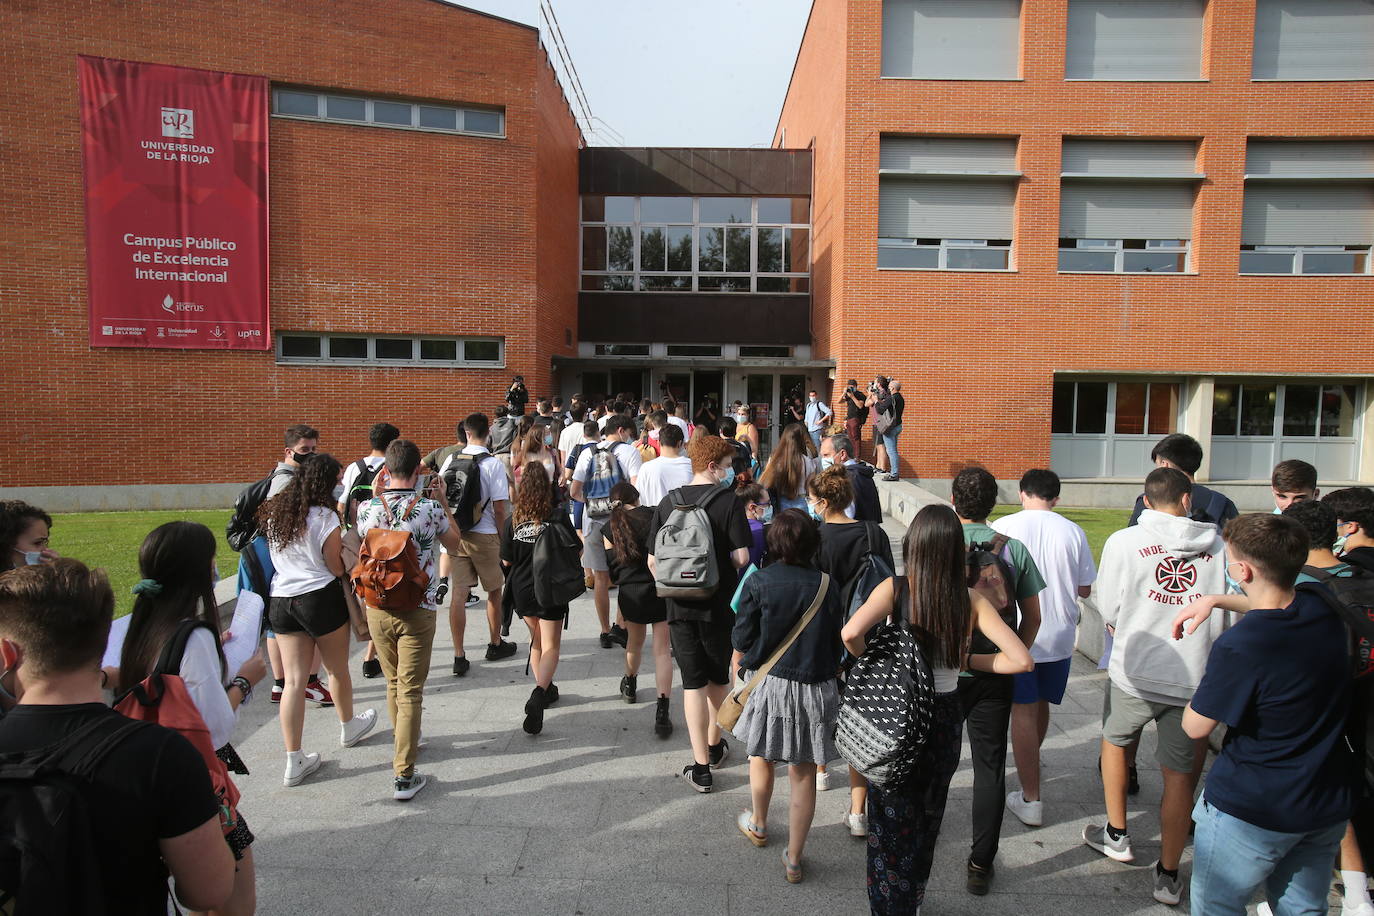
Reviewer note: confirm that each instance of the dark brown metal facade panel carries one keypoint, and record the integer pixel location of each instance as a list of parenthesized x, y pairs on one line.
[(747, 318), (641, 171)]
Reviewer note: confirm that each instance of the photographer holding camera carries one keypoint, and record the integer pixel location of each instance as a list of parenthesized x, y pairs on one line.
[(855, 412), (885, 397), (517, 396)]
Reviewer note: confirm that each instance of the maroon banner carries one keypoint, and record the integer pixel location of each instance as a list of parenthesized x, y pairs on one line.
[(175, 165)]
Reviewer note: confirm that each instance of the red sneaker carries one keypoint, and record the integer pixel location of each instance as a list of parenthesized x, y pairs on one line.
[(317, 693)]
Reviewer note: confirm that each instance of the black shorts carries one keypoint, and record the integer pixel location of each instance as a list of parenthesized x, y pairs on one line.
[(316, 613), (539, 612), (702, 649)]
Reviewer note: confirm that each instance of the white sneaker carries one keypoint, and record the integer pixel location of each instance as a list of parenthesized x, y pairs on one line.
[(822, 780), (294, 776), (857, 824), (406, 789), (357, 728), (1263, 909), (1030, 813)]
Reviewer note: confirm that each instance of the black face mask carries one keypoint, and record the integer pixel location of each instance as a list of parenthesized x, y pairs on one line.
[(302, 457)]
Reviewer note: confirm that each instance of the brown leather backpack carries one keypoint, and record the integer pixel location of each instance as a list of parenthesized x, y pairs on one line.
[(388, 573)]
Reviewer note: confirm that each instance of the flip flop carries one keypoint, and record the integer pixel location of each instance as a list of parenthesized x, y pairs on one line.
[(746, 826)]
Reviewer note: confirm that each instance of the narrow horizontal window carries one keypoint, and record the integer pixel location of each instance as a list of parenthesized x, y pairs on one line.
[(694, 350), (301, 103), (765, 352), (389, 350), (622, 349)]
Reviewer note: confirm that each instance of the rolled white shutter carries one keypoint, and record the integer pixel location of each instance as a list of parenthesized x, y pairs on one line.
[(1309, 158), (1141, 158), (972, 155), (951, 39), (912, 208), (1126, 210), (1134, 40), (1313, 40), (1326, 213)]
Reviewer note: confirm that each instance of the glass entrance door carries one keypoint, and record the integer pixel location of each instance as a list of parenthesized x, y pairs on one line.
[(707, 385), (762, 398)]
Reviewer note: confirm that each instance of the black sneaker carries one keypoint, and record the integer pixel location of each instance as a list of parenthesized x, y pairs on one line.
[(628, 687), (550, 694), (606, 642), (472, 600), (499, 651), (698, 777), (534, 711), (1132, 781), (619, 635), (372, 668), (461, 665), (441, 592), (719, 752), (979, 879), (663, 726)]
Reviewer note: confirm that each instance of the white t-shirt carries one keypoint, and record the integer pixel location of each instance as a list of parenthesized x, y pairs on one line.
[(495, 486), (351, 474), (657, 478), (204, 678), (569, 439), (300, 566), (630, 465), (682, 425), (1060, 549)]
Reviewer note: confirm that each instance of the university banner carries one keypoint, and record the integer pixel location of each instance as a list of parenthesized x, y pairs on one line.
[(175, 167)]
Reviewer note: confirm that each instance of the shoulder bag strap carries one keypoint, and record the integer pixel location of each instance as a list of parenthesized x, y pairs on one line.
[(786, 644), (169, 661)]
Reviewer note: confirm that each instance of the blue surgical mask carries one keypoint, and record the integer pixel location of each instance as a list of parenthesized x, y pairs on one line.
[(33, 557), (827, 463), (811, 510), (767, 514), (729, 479), (548, 439)]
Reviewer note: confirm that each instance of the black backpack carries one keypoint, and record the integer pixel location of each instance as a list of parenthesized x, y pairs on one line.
[(361, 491), (462, 476), (991, 576), (558, 577), (243, 524), (872, 572), (1355, 603), (48, 863)]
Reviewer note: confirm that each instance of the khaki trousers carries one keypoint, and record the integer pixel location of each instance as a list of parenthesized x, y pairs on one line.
[(404, 640)]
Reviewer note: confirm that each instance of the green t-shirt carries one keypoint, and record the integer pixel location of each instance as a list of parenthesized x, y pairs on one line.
[(1029, 582), (1340, 569)]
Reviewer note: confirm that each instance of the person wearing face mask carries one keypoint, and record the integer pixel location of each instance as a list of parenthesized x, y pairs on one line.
[(817, 417), (758, 508), (745, 430), (839, 450), (24, 533), (700, 628), (538, 445)]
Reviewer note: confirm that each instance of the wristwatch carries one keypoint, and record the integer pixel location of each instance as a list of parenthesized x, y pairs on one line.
[(244, 687)]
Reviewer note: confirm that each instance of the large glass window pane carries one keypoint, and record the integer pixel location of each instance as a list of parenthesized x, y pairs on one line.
[(908, 258), (1159, 262), (392, 113), (446, 350), (620, 248), (1336, 262), (662, 283), (1338, 410), (593, 208), (298, 103), (395, 348), (665, 209), (615, 283), (482, 122), (619, 209), (1091, 415), (711, 256), (1225, 409), (300, 347), (1266, 262), (1300, 410), (1061, 410), (348, 347), (1087, 259), (438, 118), (775, 210), (346, 109), (1130, 408), (1163, 417), (482, 351), (770, 251), (593, 248), (797, 257), (976, 258), (723, 284), (678, 242), (737, 250), (1257, 406), (726, 209), (652, 255)]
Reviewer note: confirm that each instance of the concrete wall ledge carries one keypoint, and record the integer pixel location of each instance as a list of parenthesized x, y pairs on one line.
[(128, 497)]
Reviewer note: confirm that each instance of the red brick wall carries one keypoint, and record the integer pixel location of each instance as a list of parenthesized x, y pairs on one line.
[(371, 230), (977, 352)]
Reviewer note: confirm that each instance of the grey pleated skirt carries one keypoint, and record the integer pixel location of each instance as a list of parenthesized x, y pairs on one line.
[(790, 722)]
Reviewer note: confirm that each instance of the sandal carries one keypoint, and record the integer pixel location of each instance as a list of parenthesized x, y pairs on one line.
[(746, 826), (794, 872)]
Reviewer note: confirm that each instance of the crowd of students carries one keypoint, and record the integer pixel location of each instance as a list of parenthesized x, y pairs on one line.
[(1255, 622)]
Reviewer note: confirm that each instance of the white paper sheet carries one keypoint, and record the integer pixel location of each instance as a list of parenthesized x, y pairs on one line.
[(115, 644), (244, 631)]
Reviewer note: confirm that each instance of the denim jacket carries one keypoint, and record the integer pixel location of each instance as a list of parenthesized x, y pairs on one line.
[(772, 601)]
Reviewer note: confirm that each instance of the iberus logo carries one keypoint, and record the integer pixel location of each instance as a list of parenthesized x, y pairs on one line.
[(179, 122), (1176, 576)]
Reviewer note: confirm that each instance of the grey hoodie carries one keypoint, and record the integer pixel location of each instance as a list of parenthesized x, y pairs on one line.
[(1149, 573)]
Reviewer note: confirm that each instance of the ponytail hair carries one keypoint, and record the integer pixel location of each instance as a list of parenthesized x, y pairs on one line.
[(624, 497)]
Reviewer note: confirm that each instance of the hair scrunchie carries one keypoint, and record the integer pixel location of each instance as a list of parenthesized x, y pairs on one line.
[(150, 587), (616, 504)]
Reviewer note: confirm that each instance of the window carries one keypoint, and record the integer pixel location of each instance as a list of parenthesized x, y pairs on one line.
[(694, 350), (388, 350), (748, 352), (622, 350), (1309, 207), (1300, 411), (1313, 40), (952, 39), (1134, 40), (1123, 255), (1146, 408), (1132, 408), (686, 244), (301, 103), (946, 203), (1243, 410)]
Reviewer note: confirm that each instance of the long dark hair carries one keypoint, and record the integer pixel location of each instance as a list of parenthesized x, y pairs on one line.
[(624, 537), (786, 470), (534, 496), (937, 576), (282, 518), (177, 556)]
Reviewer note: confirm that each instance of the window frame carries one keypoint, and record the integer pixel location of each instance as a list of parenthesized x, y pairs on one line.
[(1278, 433), (1119, 250), (371, 359), (1296, 253), (944, 247), (322, 97)]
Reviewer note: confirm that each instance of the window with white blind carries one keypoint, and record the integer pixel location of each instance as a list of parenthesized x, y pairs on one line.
[(952, 39), (1134, 40), (1309, 207), (1126, 206), (1313, 40), (946, 203)]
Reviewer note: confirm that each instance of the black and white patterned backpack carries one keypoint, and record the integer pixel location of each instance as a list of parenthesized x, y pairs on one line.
[(889, 698)]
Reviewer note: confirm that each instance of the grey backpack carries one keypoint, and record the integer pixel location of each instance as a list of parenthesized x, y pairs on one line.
[(684, 549)]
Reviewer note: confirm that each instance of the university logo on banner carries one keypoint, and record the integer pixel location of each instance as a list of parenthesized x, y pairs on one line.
[(175, 168)]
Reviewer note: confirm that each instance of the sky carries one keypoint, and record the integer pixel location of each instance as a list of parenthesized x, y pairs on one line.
[(661, 73)]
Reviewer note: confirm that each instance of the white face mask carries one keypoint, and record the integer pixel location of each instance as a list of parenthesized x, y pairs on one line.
[(33, 557), (742, 418), (811, 400)]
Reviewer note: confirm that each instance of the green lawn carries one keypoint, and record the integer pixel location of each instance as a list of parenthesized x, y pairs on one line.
[(110, 540), (1098, 523)]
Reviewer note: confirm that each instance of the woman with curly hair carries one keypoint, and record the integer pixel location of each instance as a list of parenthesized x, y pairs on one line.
[(533, 511), (307, 609), (792, 462), (23, 535)]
